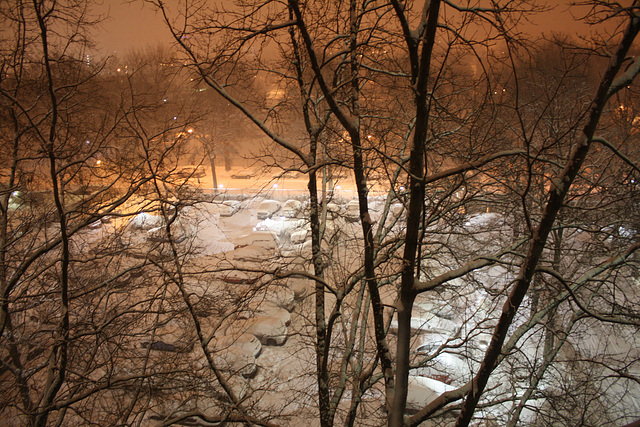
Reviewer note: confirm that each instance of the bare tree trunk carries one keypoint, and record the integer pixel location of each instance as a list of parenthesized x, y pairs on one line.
[(420, 77), (212, 161), (322, 346), (551, 329), (57, 368)]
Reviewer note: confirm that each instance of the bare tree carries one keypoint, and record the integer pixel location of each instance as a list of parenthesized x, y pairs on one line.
[(484, 270), (91, 156), (440, 156)]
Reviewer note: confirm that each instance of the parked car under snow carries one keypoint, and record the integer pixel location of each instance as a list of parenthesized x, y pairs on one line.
[(291, 208), (267, 208), (228, 208), (269, 330)]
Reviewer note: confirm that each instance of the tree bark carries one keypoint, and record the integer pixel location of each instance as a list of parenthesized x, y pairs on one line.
[(417, 171)]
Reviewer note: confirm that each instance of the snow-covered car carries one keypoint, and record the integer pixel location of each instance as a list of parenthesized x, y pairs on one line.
[(262, 308), (252, 202), (255, 253), (481, 341), (145, 221), (428, 343), (291, 208), (99, 223), (170, 336), (447, 367), (482, 221), (242, 175), (264, 238), (159, 234), (300, 287), (265, 225), (267, 208), (246, 342), (168, 347), (236, 360), (423, 390), (282, 227), (95, 224), (333, 210), (298, 254), (275, 295), (238, 277), (229, 207), (425, 321), (300, 236), (396, 211), (440, 357), (352, 212), (269, 330), (301, 254)]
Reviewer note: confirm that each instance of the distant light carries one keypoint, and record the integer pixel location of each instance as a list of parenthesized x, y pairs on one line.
[(275, 185), (88, 142), (190, 130), (221, 186), (98, 162), (338, 187), (175, 117), (119, 69), (164, 100), (401, 188)]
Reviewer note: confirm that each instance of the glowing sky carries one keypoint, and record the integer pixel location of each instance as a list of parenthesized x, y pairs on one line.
[(129, 26), (133, 26)]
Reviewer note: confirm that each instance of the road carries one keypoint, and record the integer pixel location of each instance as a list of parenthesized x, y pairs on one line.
[(269, 185)]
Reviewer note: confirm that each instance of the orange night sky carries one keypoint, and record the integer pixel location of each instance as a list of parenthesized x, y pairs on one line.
[(132, 25)]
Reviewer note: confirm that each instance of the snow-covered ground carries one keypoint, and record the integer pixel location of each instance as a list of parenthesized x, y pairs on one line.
[(453, 327)]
